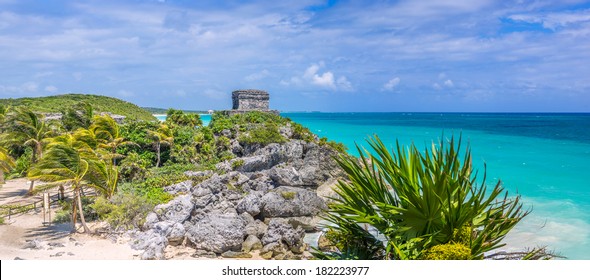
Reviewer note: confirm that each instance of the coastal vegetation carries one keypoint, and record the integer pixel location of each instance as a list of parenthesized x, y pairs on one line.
[(404, 204), (61, 103), (117, 172)]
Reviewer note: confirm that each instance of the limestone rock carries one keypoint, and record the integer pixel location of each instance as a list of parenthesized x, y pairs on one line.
[(152, 242), (236, 255), (283, 233), (285, 176), (182, 187), (177, 210), (204, 254), (290, 202), (34, 244), (250, 204), (251, 243), (216, 233)]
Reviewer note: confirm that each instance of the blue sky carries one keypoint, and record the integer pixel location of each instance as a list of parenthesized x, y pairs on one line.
[(427, 55)]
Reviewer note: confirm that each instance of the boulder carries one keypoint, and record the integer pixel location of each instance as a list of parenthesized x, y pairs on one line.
[(34, 244), (177, 210), (236, 255), (250, 204), (216, 232), (285, 176), (255, 163), (283, 233), (182, 187), (256, 228), (291, 202), (152, 243), (251, 243)]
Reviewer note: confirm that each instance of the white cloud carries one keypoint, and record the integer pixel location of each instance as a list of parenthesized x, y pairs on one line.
[(25, 88), (449, 83), (215, 94), (125, 93), (257, 76), (325, 79), (51, 89), (343, 84), (391, 84), (554, 20)]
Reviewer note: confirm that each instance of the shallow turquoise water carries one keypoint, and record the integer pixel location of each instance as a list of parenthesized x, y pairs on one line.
[(543, 157), (206, 118)]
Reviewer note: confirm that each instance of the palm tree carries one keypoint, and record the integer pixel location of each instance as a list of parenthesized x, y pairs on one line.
[(24, 127), (6, 163), (70, 160), (108, 134), (77, 116), (162, 136), (180, 118), (411, 205)]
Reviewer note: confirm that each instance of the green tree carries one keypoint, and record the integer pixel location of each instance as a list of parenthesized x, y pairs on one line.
[(6, 163), (407, 204), (180, 118), (26, 128), (70, 160), (108, 135), (161, 137), (78, 116)]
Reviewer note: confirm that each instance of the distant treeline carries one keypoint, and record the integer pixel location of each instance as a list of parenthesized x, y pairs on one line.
[(162, 111), (60, 103)]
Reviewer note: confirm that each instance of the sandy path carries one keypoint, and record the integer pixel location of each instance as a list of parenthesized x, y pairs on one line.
[(51, 241)]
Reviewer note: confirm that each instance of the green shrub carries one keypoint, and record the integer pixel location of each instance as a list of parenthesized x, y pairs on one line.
[(64, 213), (22, 165), (123, 211), (180, 118), (62, 216), (333, 144), (133, 168), (263, 134), (1, 220), (449, 251), (301, 132), (237, 163)]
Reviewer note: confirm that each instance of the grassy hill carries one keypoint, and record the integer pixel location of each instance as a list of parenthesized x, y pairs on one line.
[(57, 103)]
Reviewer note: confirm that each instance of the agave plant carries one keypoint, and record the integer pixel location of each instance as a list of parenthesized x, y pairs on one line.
[(416, 204)]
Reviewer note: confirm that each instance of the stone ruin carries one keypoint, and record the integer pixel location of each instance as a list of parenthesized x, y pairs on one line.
[(250, 100)]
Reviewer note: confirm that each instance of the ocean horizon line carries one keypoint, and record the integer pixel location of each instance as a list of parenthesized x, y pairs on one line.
[(407, 112)]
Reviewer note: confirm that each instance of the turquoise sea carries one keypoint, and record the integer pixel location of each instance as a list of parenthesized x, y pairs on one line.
[(543, 157)]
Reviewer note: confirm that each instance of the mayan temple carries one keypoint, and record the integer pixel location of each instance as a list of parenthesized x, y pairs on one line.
[(245, 100)]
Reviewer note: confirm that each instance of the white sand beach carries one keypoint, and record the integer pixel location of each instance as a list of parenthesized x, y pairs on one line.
[(26, 236)]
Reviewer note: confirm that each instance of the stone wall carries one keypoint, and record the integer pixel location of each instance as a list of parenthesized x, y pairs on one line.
[(250, 99)]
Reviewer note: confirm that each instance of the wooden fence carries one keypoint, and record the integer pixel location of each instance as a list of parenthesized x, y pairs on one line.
[(6, 211)]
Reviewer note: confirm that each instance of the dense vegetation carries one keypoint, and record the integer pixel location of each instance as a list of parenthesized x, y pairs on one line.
[(126, 165), (60, 103)]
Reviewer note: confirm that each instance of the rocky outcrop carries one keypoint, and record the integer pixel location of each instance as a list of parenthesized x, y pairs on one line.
[(264, 199)]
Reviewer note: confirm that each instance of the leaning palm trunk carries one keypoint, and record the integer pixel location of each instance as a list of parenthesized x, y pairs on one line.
[(78, 198), (38, 151), (158, 153)]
